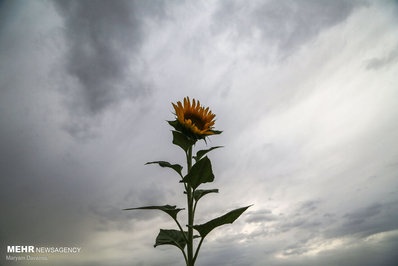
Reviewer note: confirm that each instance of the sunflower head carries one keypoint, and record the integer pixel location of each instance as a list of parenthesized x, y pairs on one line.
[(193, 119)]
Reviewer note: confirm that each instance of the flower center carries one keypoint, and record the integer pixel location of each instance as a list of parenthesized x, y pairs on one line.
[(196, 119)]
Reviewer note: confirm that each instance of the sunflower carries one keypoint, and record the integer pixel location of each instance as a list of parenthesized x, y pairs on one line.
[(194, 118)]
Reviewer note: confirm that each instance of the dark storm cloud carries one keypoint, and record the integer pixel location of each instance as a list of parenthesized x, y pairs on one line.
[(40, 191), (45, 182), (285, 24), (103, 40), (38, 182), (58, 191)]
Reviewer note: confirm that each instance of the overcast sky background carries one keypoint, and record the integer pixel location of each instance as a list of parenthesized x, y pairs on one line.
[(305, 92)]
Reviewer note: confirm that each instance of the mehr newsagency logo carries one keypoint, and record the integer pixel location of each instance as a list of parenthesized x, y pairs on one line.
[(20, 253)]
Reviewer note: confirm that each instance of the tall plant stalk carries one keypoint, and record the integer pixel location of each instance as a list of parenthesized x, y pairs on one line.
[(189, 192), (193, 123)]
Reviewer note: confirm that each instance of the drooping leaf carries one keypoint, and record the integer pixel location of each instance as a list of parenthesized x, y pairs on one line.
[(186, 132), (228, 218), (200, 173), (176, 167), (200, 153), (176, 125), (170, 210), (201, 192), (171, 237), (216, 132), (181, 140)]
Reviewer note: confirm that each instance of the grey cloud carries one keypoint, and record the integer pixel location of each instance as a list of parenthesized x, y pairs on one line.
[(309, 206), (73, 192), (81, 129), (263, 253), (359, 224), (285, 24), (37, 187), (111, 216), (375, 218), (381, 62), (307, 221), (226, 254), (303, 216), (298, 223), (260, 216), (103, 40), (297, 248), (360, 216), (368, 254)]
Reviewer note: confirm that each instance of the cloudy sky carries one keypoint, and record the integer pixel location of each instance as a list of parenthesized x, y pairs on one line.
[(305, 92)]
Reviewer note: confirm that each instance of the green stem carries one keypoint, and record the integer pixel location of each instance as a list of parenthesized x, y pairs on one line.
[(185, 256), (189, 158), (197, 250), (182, 231), (190, 212), (194, 207)]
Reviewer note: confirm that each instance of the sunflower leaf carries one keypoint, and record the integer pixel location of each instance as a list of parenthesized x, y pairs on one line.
[(200, 173), (229, 218), (170, 210), (200, 153), (177, 126), (216, 132), (181, 140), (176, 167), (201, 192), (171, 237)]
